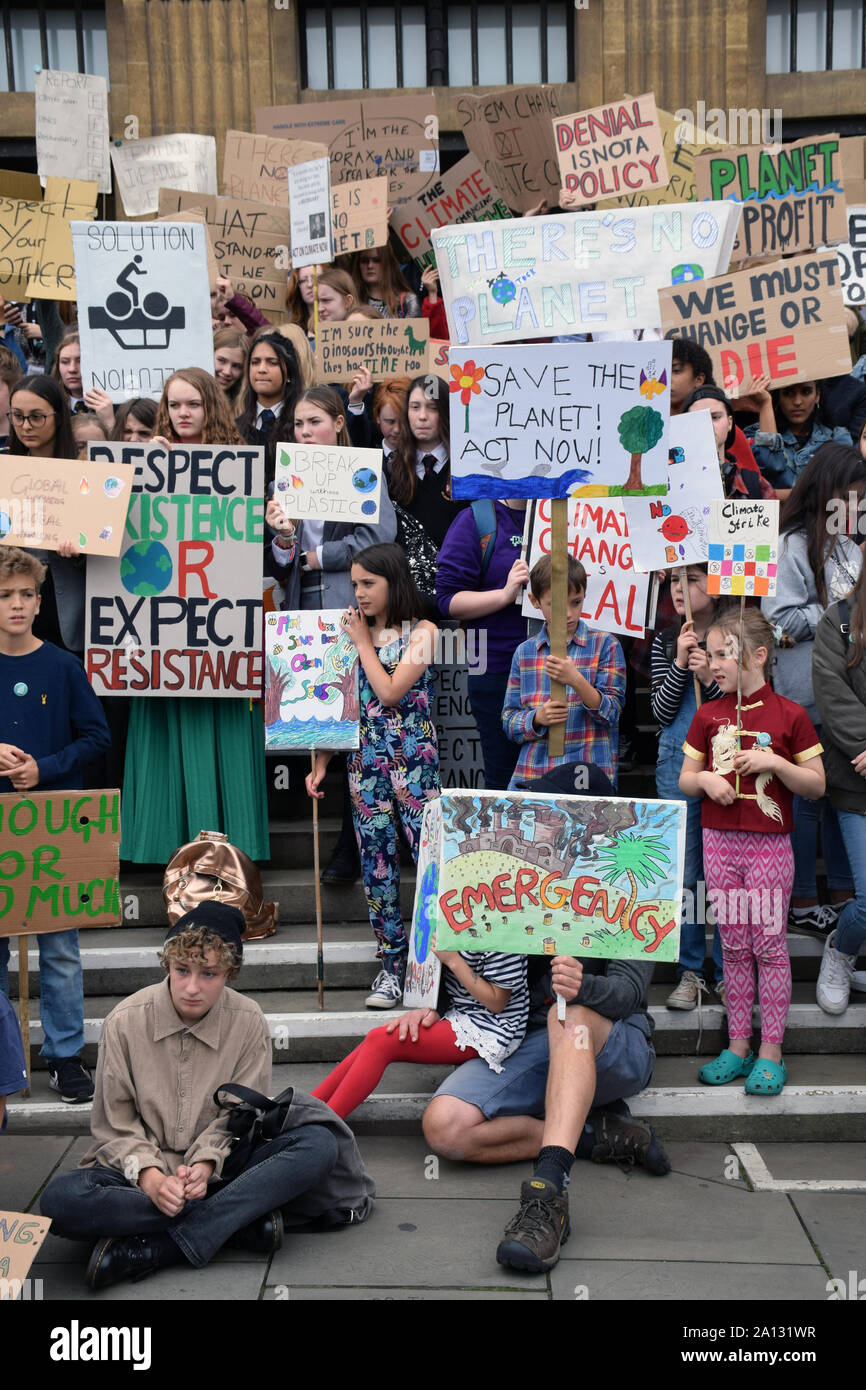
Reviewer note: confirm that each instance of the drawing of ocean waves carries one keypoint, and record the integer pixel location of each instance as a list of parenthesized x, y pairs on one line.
[(312, 733)]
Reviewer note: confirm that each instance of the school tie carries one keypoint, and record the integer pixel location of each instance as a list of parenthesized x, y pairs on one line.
[(80, 408), (428, 463), (267, 419)]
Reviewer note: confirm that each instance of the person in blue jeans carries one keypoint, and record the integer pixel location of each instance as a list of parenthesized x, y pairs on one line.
[(678, 657)]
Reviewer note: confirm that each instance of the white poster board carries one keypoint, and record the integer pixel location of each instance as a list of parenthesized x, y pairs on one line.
[(423, 968), (142, 167), (329, 480), (311, 681), (674, 530), (852, 259), (72, 127), (312, 239), (743, 548)]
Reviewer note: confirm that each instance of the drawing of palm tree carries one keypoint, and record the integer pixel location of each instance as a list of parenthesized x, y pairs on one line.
[(639, 859)]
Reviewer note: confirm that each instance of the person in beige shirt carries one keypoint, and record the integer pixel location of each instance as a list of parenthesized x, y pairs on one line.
[(149, 1185)]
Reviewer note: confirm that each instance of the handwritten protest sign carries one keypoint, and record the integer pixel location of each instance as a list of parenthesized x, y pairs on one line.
[(853, 169), (329, 480), (461, 763), (611, 149), (784, 319), (423, 970), (311, 681), (255, 167), (61, 861), (15, 185), (792, 196), (674, 530), (21, 1235), (310, 213), (598, 536), (250, 242), (852, 259), (549, 875), (72, 126), (144, 304), (437, 357), (552, 420), (65, 201), (682, 142), (142, 167), (743, 548), (22, 232), (394, 347), (180, 612), (391, 136), (360, 215), (578, 272), (463, 194), (510, 132), (52, 500)]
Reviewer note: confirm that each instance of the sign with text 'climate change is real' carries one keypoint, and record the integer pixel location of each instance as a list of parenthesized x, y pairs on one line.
[(578, 272), (180, 612), (61, 860)]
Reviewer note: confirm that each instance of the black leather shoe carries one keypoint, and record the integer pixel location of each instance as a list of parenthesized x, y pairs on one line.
[(264, 1236), (343, 868), (120, 1257)]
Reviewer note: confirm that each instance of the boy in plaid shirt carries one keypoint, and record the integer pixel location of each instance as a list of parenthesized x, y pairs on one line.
[(593, 672)]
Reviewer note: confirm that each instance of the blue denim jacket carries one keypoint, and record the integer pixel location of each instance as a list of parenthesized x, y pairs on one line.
[(781, 459)]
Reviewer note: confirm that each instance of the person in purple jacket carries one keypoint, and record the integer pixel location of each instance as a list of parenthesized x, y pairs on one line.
[(480, 580)]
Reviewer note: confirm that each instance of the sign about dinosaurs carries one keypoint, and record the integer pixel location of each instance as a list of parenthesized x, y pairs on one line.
[(311, 681), (394, 347)]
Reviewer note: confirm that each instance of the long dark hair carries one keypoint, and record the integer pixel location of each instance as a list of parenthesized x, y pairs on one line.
[(832, 472), (405, 604), (857, 625), (782, 421), (63, 445), (292, 384), (403, 478)]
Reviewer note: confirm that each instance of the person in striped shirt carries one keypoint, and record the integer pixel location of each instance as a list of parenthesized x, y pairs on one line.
[(593, 672)]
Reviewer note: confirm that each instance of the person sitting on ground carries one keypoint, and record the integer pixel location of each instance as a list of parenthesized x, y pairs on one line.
[(149, 1188)]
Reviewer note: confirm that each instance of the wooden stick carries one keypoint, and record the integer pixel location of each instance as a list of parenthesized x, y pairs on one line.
[(320, 952), (24, 1002), (740, 686), (558, 610), (316, 306), (684, 585)]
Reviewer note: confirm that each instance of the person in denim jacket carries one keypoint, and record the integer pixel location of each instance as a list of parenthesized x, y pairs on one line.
[(801, 429)]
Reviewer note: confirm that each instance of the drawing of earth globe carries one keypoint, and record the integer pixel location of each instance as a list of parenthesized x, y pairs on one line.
[(364, 479), (426, 906), (146, 568)]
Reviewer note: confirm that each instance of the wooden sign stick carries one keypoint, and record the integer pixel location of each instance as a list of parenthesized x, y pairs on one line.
[(320, 953), (684, 585), (316, 306), (558, 638), (740, 686), (24, 1002)]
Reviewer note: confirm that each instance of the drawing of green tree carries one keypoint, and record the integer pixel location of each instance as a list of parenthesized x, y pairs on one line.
[(633, 857), (640, 429)]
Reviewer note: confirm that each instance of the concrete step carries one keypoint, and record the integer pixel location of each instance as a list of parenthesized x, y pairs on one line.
[(294, 891), (825, 1096)]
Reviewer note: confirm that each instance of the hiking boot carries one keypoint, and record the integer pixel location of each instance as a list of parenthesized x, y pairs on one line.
[(71, 1078), (532, 1240), (387, 992), (834, 979), (627, 1141), (687, 992), (818, 921)]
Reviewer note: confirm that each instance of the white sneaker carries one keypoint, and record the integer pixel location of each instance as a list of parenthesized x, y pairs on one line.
[(834, 979), (387, 992), (858, 981), (687, 993)]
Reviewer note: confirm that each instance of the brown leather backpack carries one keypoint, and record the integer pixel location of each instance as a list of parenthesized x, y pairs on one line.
[(211, 869)]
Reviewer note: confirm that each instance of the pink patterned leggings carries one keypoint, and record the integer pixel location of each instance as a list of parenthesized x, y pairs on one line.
[(749, 880)]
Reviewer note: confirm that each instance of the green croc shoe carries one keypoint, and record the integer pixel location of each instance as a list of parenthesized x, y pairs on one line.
[(727, 1067), (766, 1078)]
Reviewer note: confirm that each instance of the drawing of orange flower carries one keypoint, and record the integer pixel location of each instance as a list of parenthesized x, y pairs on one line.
[(466, 381)]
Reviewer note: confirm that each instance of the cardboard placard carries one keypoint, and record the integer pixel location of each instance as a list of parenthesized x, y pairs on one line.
[(674, 530), (423, 968), (142, 167), (311, 239), (65, 201), (255, 167), (61, 861), (534, 874), (576, 272), (853, 169), (72, 126), (743, 548), (792, 196), (250, 242), (559, 420), (610, 150), (22, 234), (852, 259), (785, 319), (394, 136), (144, 304), (510, 132), (463, 194), (437, 357), (360, 215), (21, 1235), (394, 347), (598, 536), (329, 480), (26, 187), (52, 500), (180, 612), (311, 681), (682, 142)]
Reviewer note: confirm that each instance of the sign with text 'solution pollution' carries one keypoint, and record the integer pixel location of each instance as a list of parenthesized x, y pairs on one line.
[(180, 611), (611, 150), (556, 875), (552, 420), (311, 681), (61, 861), (674, 530), (329, 480), (143, 304), (576, 272)]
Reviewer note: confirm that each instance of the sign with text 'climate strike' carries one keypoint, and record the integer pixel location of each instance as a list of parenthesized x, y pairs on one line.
[(61, 861), (180, 612), (611, 150)]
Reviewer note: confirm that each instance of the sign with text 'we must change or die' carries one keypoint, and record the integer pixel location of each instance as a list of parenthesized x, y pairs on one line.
[(180, 611), (60, 861)]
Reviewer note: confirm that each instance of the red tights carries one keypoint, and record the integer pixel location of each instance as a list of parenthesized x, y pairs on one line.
[(358, 1075)]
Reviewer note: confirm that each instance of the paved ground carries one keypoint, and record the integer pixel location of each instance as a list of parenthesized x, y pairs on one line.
[(701, 1233)]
